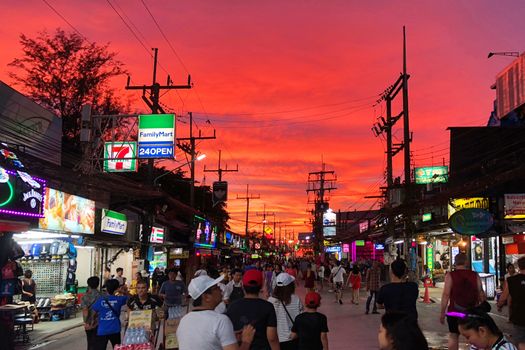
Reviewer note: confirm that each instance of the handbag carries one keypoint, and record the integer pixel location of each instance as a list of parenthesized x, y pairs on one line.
[(294, 343)]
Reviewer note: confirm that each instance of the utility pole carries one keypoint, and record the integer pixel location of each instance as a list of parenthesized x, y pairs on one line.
[(320, 182), (247, 199), (220, 170), (190, 149), (386, 126), (153, 103), (264, 215)]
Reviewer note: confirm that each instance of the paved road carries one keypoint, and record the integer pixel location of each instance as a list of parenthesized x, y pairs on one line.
[(349, 327)]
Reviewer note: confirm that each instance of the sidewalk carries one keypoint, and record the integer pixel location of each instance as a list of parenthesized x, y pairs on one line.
[(46, 329)]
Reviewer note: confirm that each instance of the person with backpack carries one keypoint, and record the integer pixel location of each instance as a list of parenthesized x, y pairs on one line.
[(108, 309), (462, 291), (89, 316)]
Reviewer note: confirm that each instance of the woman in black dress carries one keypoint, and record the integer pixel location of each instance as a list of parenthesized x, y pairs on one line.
[(28, 287)]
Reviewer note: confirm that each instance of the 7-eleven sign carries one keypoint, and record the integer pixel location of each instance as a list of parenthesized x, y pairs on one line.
[(120, 156)]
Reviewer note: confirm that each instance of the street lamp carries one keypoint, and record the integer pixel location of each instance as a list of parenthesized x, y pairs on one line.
[(198, 158), (505, 53)]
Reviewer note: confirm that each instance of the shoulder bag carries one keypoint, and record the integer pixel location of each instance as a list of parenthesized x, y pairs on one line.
[(295, 342)]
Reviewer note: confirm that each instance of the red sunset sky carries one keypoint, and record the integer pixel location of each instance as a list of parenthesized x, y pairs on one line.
[(287, 83)]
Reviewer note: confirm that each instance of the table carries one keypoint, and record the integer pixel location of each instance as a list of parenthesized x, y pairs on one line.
[(7, 321)]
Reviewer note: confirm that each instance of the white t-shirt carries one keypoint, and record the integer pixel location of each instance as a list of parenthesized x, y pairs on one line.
[(284, 324), (321, 271), (337, 273), (205, 330)]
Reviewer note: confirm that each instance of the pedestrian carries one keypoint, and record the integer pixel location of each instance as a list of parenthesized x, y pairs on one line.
[(234, 290), (337, 276), (269, 275), (28, 287), (511, 270), (255, 311), (287, 306), (156, 280), (108, 309), (462, 291), (119, 277), (354, 282), (106, 277), (89, 316), (321, 276), (205, 329), (133, 286), (373, 276), (399, 295), (172, 292), (480, 330), (399, 331), (311, 327), (309, 278), (143, 300), (514, 293)]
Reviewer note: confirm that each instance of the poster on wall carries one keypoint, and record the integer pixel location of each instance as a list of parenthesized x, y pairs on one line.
[(68, 213)]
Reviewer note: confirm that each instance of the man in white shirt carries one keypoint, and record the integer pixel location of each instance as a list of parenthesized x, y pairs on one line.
[(204, 328), (234, 290), (338, 276)]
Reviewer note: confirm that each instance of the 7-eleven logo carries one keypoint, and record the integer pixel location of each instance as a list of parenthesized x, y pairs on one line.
[(120, 156)]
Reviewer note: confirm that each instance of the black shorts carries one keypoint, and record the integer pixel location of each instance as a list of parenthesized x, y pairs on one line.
[(453, 324), (338, 285)]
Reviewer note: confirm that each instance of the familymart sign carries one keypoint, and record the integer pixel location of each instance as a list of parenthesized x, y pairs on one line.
[(113, 222), (156, 137)]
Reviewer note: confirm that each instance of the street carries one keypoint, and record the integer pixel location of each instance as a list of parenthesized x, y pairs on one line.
[(350, 327)]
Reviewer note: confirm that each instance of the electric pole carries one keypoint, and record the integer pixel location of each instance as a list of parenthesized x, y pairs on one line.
[(264, 215), (153, 103), (220, 170), (247, 199), (190, 149), (320, 182)]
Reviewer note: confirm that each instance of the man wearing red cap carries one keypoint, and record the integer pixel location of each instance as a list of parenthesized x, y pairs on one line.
[(255, 311)]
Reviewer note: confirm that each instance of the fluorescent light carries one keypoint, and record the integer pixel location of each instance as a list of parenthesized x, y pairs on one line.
[(399, 242), (41, 241), (424, 242), (84, 247), (201, 157)]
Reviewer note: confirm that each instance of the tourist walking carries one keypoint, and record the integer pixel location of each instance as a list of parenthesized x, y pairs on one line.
[(89, 316), (309, 278), (108, 309), (462, 291), (205, 329), (311, 327), (354, 281), (337, 276), (373, 277), (514, 294), (399, 331), (171, 293), (399, 295), (255, 311), (287, 306)]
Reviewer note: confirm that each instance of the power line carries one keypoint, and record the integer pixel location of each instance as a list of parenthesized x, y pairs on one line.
[(63, 18)]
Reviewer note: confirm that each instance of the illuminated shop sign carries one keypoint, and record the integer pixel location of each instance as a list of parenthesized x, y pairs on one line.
[(68, 213), (113, 222), (329, 223), (431, 174), (21, 194), (426, 217), (456, 204), (515, 206), (157, 235), (205, 234), (120, 156), (156, 138)]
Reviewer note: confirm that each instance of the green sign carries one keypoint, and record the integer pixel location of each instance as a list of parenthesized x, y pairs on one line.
[(120, 156), (360, 243), (156, 136), (431, 175), (426, 217), (113, 222), (471, 221), (430, 257)]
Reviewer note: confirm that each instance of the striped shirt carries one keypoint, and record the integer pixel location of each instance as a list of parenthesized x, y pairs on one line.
[(284, 324)]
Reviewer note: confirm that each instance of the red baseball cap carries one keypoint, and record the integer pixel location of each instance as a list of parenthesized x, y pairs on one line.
[(312, 299), (252, 277)]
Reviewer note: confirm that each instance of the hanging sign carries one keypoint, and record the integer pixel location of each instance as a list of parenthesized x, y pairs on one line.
[(430, 257), (220, 192), (471, 221), (431, 175), (156, 137), (113, 222), (120, 156), (157, 235), (21, 194), (515, 206)]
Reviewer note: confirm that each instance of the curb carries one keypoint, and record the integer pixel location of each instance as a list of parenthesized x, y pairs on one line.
[(47, 336)]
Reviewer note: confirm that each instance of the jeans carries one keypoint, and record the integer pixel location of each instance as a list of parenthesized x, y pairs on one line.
[(102, 341), (91, 335), (374, 294)]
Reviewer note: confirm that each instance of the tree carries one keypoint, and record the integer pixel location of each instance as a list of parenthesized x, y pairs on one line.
[(63, 71)]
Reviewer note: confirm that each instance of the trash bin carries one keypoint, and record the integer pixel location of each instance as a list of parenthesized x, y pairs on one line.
[(488, 281)]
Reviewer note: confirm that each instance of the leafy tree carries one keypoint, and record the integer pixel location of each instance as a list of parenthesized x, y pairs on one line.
[(63, 71)]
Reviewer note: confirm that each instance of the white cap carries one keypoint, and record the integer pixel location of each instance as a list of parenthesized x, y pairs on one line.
[(284, 279), (200, 272), (200, 284)]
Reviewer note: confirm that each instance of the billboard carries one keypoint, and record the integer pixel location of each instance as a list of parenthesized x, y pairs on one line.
[(329, 223), (68, 213), (510, 87), (21, 194), (205, 234), (431, 175), (456, 204), (113, 222), (156, 136), (120, 157), (515, 206)]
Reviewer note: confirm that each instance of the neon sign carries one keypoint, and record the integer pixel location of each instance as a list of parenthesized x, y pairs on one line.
[(21, 195)]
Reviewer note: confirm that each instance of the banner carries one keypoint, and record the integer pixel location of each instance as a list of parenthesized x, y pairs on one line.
[(515, 206)]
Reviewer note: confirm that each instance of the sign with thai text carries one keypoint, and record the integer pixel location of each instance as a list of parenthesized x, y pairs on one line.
[(431, 175), (471, 221), (515, 206)]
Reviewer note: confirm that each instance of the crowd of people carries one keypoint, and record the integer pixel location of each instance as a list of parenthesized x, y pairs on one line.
[(254, 305)]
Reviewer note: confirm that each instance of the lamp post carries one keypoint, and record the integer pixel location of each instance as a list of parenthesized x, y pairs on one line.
[(198, 158)]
